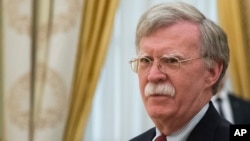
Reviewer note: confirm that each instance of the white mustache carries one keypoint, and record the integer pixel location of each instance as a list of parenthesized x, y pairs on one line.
[(162, 89)]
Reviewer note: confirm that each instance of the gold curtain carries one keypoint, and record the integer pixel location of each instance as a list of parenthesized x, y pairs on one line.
[(97, 24), (234, 18)]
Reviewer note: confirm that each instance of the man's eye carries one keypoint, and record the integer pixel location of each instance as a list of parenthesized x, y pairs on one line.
[(170, 60), (145, 60)]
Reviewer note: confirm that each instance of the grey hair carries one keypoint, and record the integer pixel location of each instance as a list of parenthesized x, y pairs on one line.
[(213, 40)]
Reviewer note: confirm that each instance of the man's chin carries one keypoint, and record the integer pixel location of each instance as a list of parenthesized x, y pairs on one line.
[(158, 115), (157, 111)]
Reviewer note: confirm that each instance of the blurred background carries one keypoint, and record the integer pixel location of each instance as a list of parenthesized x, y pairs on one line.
[(64, 71)]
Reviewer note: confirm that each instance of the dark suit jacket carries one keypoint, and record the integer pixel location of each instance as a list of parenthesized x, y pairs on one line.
[(212, 127), (240, 109)]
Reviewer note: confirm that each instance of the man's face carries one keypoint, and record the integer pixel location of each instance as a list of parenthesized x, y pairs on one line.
[(191, 81)]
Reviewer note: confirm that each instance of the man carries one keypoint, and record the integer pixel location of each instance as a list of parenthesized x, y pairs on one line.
[(231, 107), (182, 56)]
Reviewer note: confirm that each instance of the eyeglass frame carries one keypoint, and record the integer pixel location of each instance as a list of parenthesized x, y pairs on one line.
[(159, 66)]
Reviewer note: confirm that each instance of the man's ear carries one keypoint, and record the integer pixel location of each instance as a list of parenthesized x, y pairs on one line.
[(214, 73)]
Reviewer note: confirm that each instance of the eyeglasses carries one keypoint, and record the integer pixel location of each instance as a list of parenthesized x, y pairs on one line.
[(165, 64)]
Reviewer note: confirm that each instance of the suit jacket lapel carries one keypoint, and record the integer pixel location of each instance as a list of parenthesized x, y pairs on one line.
[(146, 136), (206, 128)]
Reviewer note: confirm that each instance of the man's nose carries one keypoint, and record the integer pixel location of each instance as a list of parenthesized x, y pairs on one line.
[(155, 74)]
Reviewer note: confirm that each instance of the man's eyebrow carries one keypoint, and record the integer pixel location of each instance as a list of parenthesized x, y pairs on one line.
[(177, 55)]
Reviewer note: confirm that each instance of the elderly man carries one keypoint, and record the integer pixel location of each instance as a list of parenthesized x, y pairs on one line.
[(181, 58)]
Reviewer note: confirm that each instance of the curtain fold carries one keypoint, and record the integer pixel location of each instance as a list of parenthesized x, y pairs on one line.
[(1, 71), (234, 18), (96, 29), (41, 17), (38, 43)]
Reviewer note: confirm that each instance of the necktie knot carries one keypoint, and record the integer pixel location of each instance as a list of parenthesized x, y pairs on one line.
[(161, 138)]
